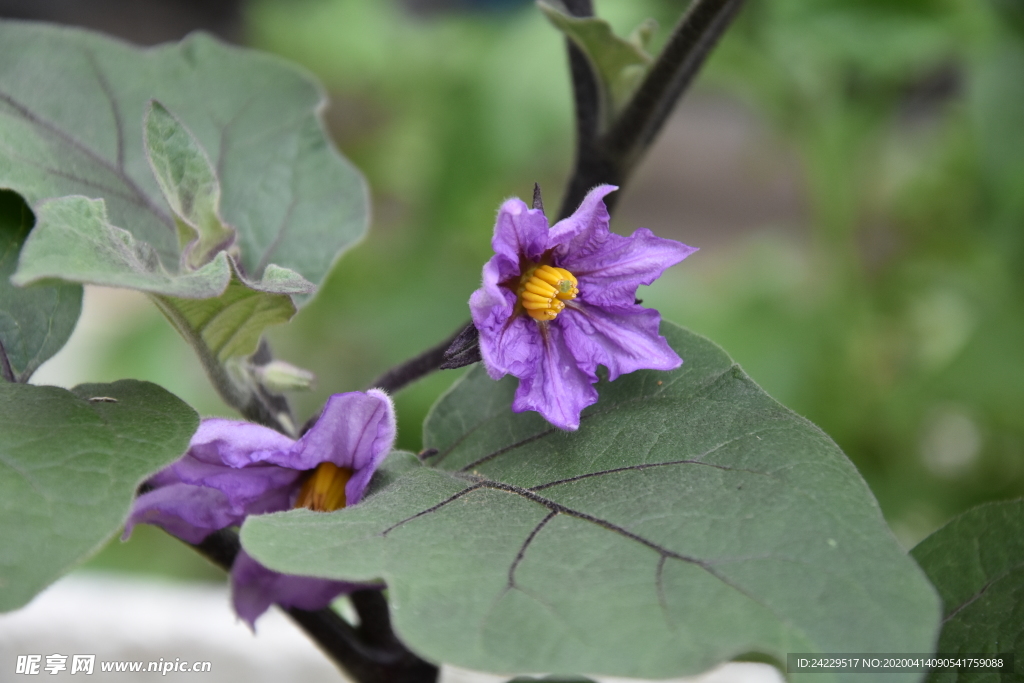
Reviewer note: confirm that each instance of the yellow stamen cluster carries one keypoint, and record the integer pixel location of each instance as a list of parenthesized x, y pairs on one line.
[(543, 291), (324, 490)]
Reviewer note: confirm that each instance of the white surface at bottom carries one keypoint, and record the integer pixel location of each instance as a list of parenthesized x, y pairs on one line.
[(134, 620)]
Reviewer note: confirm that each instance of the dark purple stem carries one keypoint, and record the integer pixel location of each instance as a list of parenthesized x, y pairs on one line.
[(611, 157), (369, 653), (432, 359)]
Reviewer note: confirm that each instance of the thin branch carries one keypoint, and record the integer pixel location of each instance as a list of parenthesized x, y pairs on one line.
[(251, 404), (416, 368), (369, 654), (374, 620), (220, 547), (669, 77), (587, 105), (612, 157)]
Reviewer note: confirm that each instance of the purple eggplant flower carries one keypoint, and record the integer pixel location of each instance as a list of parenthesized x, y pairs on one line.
[(557, 302), (234, 469)]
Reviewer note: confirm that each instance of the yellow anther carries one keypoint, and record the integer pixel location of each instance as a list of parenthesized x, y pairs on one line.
[(544, 289), (560, 279), (324, 490)]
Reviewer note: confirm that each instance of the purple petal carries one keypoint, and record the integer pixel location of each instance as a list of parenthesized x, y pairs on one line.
[(189, 512), (611, 268), (558, 388), (217, 482), (235, 443), (520, 231), (492, 307), (254, 588), (623, 339), (356, 430), (246, 488), (574, 236), (512, 349), (367, 461)]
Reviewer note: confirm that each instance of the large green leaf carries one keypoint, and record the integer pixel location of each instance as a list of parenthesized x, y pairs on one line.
[(71, 123), (70, 462), (977, 564), (35, 322), (690, 520)]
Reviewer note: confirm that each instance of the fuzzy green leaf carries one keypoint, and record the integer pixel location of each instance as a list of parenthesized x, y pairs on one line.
[(35, 322), (211, 305), (70, 462), (80, 239), (690, 520), (229, 325), (72, 105), (189, 184), (977, 564)]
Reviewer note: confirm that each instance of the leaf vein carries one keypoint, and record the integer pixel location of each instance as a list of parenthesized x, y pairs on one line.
[(23, 111), (433, 508)]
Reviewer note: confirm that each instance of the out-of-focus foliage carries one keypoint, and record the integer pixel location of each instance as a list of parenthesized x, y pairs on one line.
[(975, 564), (898, 328), (896, 325)]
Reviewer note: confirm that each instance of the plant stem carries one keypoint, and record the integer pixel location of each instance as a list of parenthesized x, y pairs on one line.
[(587, 106), (415, 368), (369, 653), (669, 77), (611, 158)]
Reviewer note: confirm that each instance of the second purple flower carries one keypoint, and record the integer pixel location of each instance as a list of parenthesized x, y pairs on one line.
[(234, 469), (557, 302)]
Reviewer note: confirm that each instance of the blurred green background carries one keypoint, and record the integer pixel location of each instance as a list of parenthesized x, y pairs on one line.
[(853, 171)]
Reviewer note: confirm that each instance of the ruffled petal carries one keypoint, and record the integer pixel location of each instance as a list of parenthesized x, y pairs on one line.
[(513, 349), (557, 387), (189, 512), (623, 339), (612, 267), (235, 443), (355, 430), (246, 488), (520, 231), (583, 231), (254, 588), (492, 307)]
